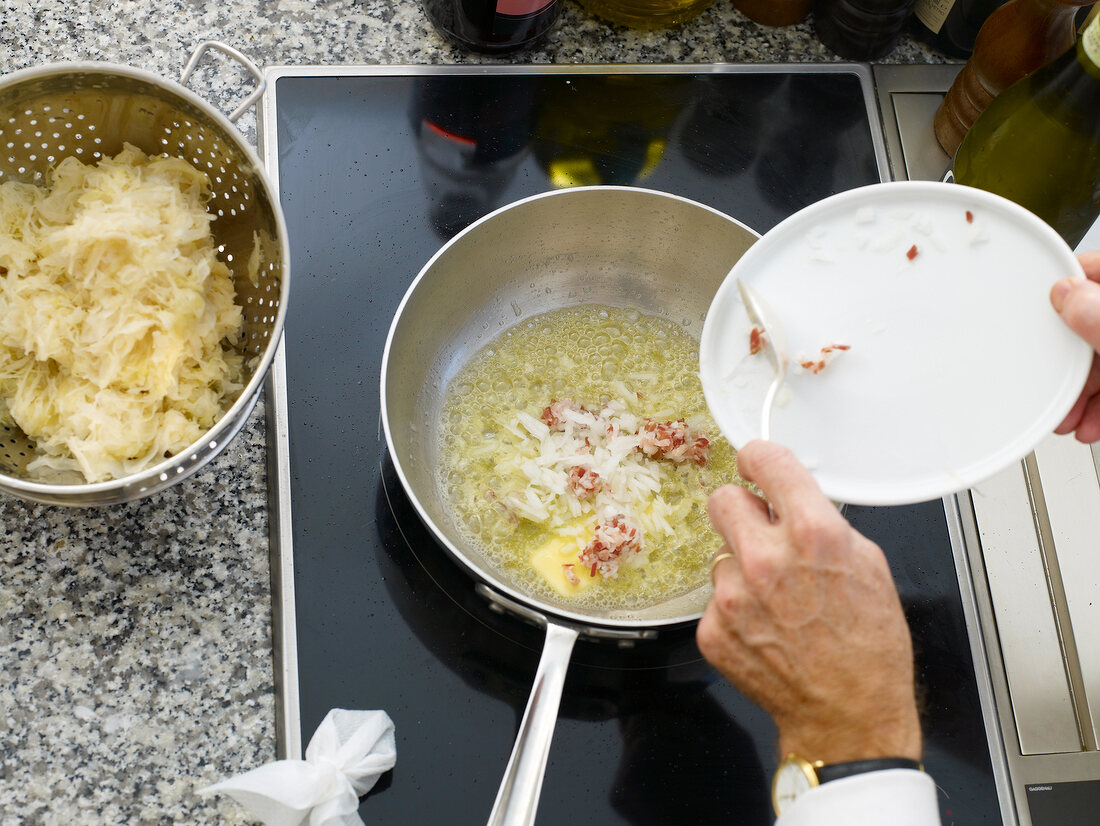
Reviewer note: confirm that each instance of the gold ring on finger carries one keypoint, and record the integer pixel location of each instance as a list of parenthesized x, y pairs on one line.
[(718, 558)]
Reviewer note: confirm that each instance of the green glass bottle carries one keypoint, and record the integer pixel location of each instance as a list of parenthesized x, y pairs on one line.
[(1038, 142)]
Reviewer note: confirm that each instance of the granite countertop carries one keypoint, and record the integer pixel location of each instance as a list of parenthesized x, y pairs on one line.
[(135, 645)]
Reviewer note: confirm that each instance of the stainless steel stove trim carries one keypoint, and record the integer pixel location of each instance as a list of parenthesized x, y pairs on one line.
[(284, 633), (1014, 771), (288, 738), (288, 725), (1070, 653), (895, 86), (963, 531)]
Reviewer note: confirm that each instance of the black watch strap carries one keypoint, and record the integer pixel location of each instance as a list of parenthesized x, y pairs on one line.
[(835, 771)]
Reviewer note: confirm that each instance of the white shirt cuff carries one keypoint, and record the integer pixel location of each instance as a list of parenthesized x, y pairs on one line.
[(900, 797)]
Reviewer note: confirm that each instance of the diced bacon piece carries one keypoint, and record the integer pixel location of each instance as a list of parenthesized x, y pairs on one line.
[(756, 341), (554, 415), (911, 253), (695, 450), (674, 441), (614, 538), (828, 353), (569, 574), (969, 217), (584, 482)]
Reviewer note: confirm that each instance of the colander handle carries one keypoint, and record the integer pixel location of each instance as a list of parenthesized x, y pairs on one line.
[(202, 48)]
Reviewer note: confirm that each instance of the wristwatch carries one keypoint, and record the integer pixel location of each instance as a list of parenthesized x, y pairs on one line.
[(796, 775)]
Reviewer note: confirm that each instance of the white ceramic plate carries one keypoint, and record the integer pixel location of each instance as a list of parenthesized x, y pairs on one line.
[(957, 367)]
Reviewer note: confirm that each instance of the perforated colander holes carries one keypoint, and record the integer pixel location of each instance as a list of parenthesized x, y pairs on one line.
[(41, 143), (15, 446), (211, 154), (255, 317), (235, 193), (41, 132), (79, 136), (15, 451), (96, 140)]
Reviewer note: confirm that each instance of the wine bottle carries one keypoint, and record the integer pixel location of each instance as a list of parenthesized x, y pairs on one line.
[(493, 26), (1038, 142), (950, 26), (773, 12)]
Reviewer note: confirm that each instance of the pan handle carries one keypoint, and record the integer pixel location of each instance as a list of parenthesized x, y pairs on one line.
[(518, 798)]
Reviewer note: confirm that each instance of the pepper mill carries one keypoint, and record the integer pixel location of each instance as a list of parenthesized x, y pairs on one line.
[(1018, 38)]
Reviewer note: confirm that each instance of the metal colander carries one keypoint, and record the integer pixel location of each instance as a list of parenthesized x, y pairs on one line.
[(88, 110)]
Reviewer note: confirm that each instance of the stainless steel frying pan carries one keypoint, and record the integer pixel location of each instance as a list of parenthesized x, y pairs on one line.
[(621, 246)]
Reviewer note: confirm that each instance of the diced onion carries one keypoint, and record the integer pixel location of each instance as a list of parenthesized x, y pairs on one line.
[(606, 443)]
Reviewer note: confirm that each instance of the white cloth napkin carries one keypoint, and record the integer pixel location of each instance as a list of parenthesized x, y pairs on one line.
[(346, 755)]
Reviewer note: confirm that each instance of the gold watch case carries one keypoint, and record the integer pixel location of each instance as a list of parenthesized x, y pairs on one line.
[(794, 776)]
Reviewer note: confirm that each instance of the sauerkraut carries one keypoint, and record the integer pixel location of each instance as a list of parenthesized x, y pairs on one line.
[(117, 320)]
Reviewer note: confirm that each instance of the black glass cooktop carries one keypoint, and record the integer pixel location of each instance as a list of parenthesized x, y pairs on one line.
[(376, 171)]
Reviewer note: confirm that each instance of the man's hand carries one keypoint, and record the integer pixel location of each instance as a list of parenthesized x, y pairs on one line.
[(806, 620), (1078, 303)]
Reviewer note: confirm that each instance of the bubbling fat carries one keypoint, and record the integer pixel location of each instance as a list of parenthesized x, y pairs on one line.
[(590, 355)]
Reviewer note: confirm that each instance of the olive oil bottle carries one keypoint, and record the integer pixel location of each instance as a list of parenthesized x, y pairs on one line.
[(646, 14), (1038, 142)]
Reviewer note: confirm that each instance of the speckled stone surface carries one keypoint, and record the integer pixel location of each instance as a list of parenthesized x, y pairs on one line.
[(135, 651), (135, 644)]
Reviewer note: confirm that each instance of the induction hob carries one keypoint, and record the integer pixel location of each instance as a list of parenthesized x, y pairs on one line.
[(376, 168)]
